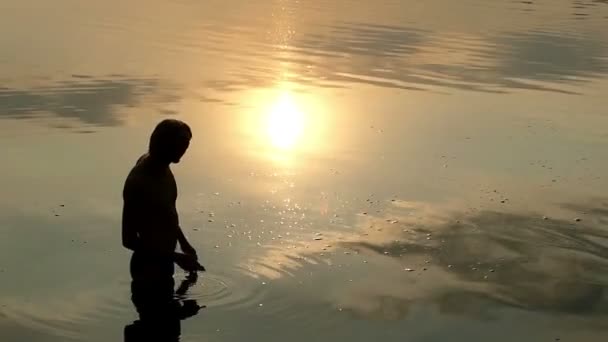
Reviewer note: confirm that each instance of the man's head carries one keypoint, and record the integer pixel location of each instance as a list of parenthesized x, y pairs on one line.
[(170, 140)]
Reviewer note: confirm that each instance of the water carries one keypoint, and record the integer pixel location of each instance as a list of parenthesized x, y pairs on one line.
[(336, 144)]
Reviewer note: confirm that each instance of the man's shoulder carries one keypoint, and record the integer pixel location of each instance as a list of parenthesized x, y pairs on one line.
[(136, 179)]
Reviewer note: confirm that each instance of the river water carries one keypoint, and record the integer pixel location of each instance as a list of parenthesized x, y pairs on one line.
[(391, 170)]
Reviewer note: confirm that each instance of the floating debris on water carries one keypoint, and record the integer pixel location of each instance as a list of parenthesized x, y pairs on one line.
[(408, 269), (577, 219), (545, 218)]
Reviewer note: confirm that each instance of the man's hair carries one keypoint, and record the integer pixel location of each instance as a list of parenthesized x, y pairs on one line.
[(165, 136)]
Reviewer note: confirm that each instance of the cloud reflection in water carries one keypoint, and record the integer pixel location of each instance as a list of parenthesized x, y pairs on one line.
[(469, 263)]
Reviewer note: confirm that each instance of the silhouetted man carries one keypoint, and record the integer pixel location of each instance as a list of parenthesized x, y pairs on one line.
[(150, 228), (150, 224)]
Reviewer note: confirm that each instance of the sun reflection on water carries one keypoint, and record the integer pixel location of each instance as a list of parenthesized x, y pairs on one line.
[(285, 122), (284, 125)]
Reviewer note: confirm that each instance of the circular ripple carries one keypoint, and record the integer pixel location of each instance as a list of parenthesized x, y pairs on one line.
[(226, 292)]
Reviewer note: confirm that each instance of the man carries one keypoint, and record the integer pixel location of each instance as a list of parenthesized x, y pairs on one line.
[(150, 224)]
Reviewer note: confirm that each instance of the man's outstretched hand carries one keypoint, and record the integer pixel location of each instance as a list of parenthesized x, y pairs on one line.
[(188, 262), (188, 249)]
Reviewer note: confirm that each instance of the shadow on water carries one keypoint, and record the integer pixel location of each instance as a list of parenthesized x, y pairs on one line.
[(497, 259), (91, 101), (161, 309)]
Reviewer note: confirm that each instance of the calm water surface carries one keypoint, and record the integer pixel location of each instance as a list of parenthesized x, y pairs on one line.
[(391, 170)]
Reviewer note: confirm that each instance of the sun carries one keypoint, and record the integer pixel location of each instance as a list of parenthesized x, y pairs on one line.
[(285, 123)]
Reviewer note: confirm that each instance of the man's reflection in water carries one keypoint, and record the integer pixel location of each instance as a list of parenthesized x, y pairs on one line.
[(160, 308)]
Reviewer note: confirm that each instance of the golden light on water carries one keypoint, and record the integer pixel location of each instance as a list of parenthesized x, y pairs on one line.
[(284, 125), (285, 122)]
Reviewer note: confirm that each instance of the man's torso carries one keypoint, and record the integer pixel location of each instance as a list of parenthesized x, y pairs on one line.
[(153, 192)]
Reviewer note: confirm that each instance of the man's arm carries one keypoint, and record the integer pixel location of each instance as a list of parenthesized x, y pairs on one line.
[(189, 260), (181, 237), (183, 242), (130, 237)]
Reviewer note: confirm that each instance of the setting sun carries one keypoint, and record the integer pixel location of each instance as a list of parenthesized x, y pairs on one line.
[(285, 122)]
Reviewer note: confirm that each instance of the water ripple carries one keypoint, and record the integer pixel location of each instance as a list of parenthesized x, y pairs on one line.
[(414, 59)]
